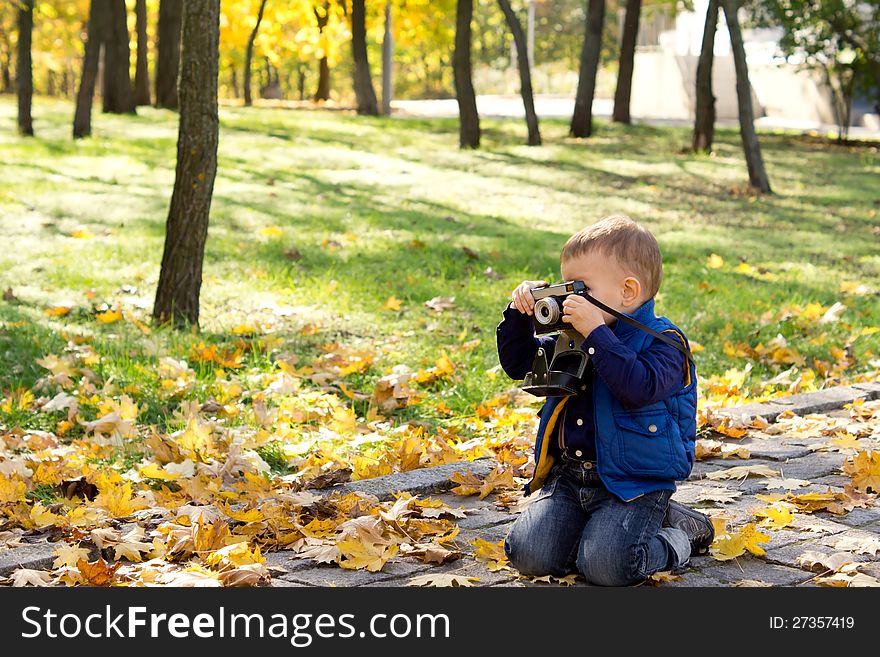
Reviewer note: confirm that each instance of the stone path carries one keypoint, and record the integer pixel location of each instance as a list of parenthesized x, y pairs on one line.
[(790, 455)]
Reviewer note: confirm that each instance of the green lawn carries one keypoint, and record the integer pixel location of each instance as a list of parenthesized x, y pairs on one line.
[(391, 207)]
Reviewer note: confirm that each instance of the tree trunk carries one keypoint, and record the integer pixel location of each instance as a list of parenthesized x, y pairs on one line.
[(118, 92), (704, 111), (24, 73), (363, 81), (525, 75), (168, 53), (234, 82), (469, 120), (142, 71), (180, 279), (5, 76), (625, 66), (751, 147), (323, 90), (582, 119), (97, 30), (387, 61), (249, 55)]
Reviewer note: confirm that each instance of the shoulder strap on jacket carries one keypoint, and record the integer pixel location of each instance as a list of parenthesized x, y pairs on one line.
[(638, 324)]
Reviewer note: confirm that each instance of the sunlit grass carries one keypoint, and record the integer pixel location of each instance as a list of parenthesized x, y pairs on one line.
[(391, 207)]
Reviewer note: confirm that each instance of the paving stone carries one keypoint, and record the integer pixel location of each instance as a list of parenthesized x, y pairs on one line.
[(859, 517), (774, 450), (871, 388), (766, 410), (787, 555), (332, 575), (278, 582), (694, 578), (287, 560), (812, 467), (37, 556), (821, 400), (485, 518), (754, 568), (423, 481)]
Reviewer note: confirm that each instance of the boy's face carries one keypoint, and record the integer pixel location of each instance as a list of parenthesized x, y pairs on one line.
[(607, 281)]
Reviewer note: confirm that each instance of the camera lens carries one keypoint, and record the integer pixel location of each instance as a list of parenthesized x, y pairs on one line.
[(546, 310)]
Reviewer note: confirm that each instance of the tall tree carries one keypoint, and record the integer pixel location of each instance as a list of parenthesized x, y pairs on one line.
[(186, 230), (168, 53), (24, 72), (96, 31), (469, 119), (5, 63), (628, 39), (751, 147), (582, 119), (142, 71), (363, 81), (118, 92), (322, 15), (387, 61), (525, 74), (704, 112), (249, 55)]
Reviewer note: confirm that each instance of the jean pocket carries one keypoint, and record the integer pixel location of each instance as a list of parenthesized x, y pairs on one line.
[(549, 487)]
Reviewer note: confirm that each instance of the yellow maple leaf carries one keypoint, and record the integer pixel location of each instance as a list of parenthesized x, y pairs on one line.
[(730, 546), (117, 499), (67, 555), (392, 303), (492, 553), (775, 517), (109, 316), (865, 471), (42, 517), (360, 555), (12, 489), (715, 261)]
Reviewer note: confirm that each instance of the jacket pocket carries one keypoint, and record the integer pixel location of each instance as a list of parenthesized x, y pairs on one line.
[(645, 444)]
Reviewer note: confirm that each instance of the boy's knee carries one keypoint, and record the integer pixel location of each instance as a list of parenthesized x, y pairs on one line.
[(608, 564), (528, 557)]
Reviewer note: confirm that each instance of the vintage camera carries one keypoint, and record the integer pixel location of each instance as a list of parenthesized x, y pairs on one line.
[(563, 373)]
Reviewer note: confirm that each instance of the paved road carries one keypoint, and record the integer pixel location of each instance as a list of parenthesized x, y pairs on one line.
[(561, 107)]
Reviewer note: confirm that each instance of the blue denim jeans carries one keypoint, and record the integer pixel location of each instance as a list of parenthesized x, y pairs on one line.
[(574, 522)]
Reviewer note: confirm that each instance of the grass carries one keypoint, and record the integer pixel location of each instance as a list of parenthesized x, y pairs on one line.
[(319, 217)]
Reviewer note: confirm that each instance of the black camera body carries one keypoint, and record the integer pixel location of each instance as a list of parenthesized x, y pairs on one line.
[(562, 374)]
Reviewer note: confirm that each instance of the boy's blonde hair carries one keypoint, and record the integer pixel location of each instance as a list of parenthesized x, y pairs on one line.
[(630, 243)]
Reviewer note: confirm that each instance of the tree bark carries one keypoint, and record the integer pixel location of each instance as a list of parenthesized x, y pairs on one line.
[(363, 81), (6, 65), (751, 147), (24, 72), (582, 119), (469, 119), (249, 55), (323, 90), (628, 40), (142, 71), (180, 279), (387, 61), (704, 111), (168, 53), (118, 92), (525, 74), (97, 30)]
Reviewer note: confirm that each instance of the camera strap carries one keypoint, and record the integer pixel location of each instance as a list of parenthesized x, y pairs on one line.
[(629, 320)]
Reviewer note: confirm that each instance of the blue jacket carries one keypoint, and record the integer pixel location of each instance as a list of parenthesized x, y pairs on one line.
[(638, 450)]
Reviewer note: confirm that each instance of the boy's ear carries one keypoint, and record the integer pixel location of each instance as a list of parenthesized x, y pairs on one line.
[(632, 289)]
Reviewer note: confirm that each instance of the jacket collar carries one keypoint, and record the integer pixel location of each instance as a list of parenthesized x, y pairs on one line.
[(643, 314)]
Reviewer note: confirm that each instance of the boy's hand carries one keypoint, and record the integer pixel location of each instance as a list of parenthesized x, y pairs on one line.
[(522, 298), (581, 314)]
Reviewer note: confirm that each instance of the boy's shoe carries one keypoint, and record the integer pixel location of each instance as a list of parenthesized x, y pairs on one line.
[(696, 525)]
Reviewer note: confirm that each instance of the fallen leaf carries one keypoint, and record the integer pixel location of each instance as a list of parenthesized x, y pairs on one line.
[(442, 579)]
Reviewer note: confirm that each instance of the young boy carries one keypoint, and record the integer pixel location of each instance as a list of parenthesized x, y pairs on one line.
[(607, 458)]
